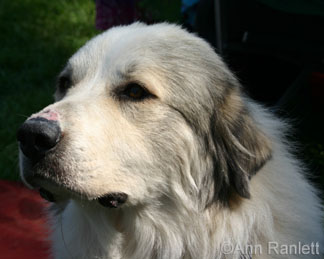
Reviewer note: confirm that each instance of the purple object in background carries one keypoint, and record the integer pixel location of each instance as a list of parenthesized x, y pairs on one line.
[(111, 13)]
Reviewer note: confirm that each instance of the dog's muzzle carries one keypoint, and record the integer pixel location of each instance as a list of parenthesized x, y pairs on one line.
[(40, 134)]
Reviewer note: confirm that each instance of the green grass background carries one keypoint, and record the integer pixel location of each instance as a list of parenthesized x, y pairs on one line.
[(36, 39)]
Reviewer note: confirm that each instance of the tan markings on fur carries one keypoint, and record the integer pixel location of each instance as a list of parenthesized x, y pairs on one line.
[(235, 200), (232, 105)]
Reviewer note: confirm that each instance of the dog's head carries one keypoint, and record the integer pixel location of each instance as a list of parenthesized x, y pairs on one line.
[(144, 112)]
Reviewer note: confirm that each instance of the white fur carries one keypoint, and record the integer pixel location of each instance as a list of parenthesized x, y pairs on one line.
[(284, 208), (164, 218)]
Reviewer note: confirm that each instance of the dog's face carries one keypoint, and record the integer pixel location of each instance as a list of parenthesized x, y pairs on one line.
[(145, 112)]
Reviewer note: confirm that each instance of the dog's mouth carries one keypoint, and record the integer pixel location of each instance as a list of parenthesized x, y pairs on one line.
[(111, 200), (54, 190)]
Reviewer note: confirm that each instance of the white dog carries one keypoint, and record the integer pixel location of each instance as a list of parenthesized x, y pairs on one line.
[(151, 150)]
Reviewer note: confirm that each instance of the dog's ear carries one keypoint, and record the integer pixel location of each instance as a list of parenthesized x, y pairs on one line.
[(241, 148)]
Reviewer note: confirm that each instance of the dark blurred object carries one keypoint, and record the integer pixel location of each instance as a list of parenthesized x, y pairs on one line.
[(276, 48), (189, 13), (317, 90), (310, 7), (111, 13), (263, 44), (153, 11)]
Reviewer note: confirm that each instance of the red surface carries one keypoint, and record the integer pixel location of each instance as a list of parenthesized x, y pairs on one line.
[(23, 229)]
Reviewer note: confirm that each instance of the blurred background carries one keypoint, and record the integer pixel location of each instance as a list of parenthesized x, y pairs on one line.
[(275, 47)]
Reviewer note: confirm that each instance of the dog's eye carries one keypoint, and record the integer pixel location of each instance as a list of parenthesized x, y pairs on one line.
[(135, 92)]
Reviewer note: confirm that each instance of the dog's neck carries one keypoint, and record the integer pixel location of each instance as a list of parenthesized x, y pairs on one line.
[(151, 231)]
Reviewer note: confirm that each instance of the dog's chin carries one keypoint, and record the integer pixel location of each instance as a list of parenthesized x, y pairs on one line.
[(55, 190), (49, 189)]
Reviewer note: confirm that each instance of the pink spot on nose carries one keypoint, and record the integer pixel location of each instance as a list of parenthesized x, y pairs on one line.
[(46, 114)]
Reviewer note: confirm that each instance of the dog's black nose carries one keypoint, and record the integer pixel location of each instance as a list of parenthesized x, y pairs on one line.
[(38, 135)]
